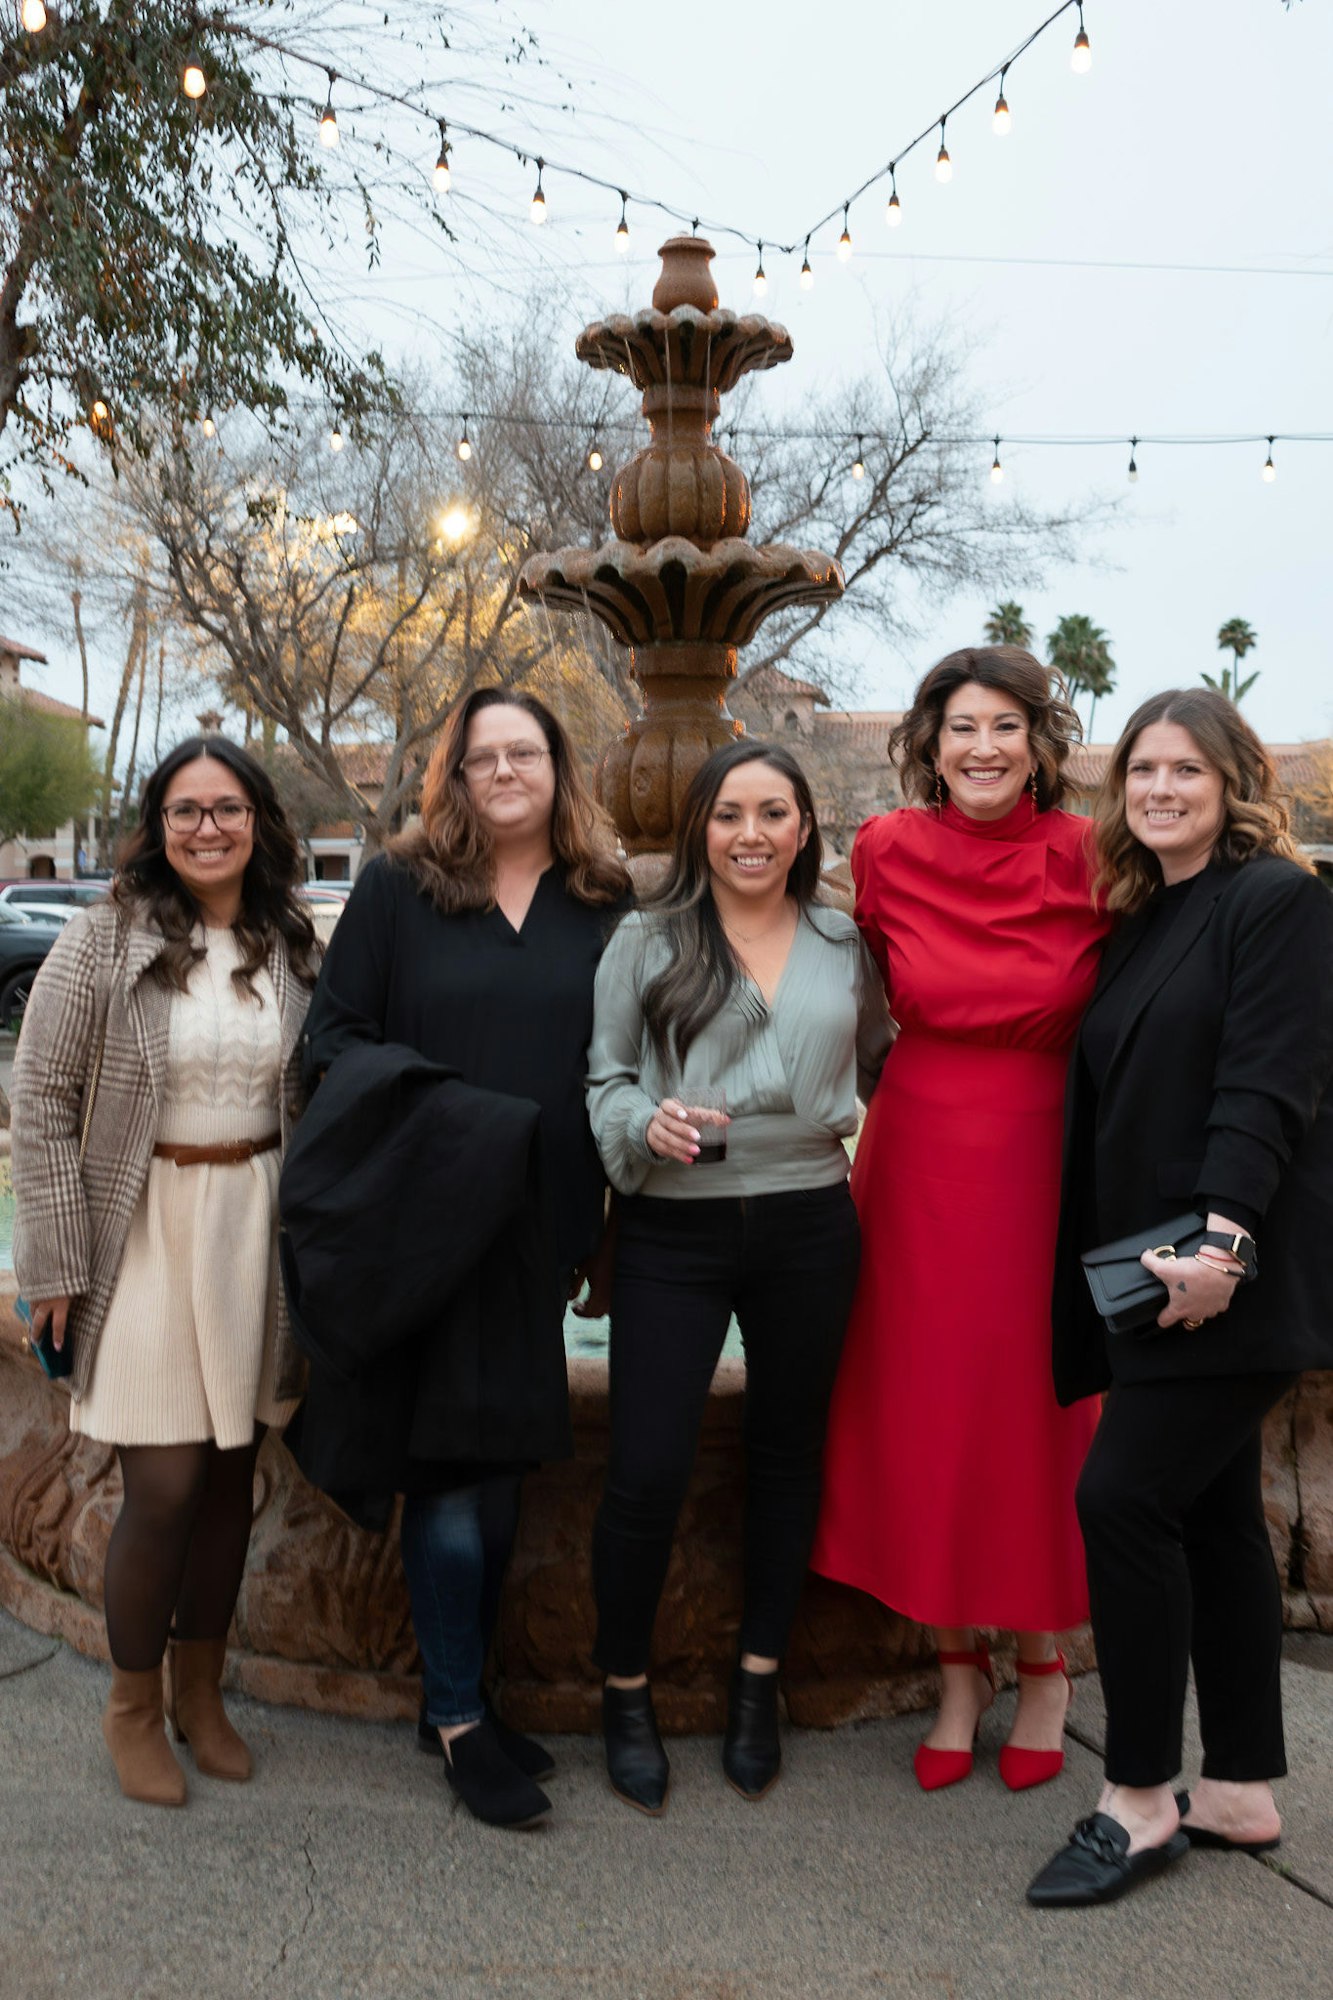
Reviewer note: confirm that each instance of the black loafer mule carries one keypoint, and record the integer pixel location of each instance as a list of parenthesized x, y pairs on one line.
[(1096, 1865)]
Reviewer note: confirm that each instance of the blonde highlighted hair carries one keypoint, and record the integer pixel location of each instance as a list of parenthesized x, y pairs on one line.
[(1254, 818), (449, 850)]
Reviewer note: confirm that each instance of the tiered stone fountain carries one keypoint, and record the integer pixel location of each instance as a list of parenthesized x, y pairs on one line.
[(680, 584)]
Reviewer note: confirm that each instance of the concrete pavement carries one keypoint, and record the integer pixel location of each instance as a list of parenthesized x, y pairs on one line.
[(343, 1872)]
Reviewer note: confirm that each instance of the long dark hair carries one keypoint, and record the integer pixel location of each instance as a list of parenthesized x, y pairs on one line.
[(702, 967), (146, 883), (1254, 818), (1053, 727), (450, 850)]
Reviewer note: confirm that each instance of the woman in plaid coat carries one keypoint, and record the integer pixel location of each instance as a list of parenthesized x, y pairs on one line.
[(154, 1088)]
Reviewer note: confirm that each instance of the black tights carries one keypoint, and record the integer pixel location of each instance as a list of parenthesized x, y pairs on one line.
[(178, 1547)]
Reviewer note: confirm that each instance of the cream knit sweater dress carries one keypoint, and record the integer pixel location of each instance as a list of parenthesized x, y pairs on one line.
[(188, 1348)]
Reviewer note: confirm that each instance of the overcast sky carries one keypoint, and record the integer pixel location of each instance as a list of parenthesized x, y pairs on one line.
[(1072, 251)]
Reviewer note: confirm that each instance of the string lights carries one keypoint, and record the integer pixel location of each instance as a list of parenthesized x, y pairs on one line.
[(1133, 461), (33, 16), (209, 425), (859, 462), (336, 439), (464, 445), (441, 176), (328, 117), (1269, 473), (595, 459), (996, 470), (1081, 59), (409, 101), (760, 281), (193, 81)]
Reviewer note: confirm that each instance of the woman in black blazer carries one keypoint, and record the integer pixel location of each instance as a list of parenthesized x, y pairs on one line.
[(1200, 1081)]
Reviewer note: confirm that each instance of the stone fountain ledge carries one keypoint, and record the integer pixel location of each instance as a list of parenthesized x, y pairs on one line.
[(323, 1619)]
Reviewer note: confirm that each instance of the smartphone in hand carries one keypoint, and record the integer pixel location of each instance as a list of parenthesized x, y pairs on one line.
[(55, 1362)]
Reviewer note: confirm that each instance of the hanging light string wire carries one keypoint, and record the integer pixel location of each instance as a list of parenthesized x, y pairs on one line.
[(360, 86)]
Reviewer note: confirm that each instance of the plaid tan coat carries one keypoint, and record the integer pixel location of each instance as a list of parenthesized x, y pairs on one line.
[(71, 1225)]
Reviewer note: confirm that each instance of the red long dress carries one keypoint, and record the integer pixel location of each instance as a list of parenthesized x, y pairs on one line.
[(949, 1469)]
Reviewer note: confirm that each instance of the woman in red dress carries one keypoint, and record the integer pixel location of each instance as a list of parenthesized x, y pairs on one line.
[(950, 1468)]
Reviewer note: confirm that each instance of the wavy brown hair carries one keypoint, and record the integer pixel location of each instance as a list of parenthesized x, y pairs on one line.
[(1254, 818), (702, 968), (146, 884), (450, 852), (1053, 727)]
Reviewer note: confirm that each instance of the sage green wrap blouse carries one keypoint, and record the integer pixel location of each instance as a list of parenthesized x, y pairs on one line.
[(791, 1071)]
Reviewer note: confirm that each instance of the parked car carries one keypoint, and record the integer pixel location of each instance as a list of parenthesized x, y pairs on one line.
[(327, 902), (23, 946), (56, 902)]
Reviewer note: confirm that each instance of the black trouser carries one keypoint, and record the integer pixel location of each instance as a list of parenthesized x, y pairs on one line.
[(786, 1265), (1179, 1568)]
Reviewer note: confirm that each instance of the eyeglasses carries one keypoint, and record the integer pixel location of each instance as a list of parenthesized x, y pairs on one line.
[(522, 758), (228, 815)]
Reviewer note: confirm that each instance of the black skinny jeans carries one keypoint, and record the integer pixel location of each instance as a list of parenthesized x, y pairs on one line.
[(1180, 1567), (786, 1265)]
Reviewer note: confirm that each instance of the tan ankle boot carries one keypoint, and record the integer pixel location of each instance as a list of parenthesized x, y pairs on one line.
[(197, 1714), (132, 1726)]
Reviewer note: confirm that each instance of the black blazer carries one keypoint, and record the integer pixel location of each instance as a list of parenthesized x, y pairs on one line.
[(1217, 1093)]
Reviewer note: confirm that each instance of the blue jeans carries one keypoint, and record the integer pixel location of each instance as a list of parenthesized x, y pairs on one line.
[(456, 1548)]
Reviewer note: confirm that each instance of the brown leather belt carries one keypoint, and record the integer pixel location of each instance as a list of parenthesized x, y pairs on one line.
[(232, 1154)]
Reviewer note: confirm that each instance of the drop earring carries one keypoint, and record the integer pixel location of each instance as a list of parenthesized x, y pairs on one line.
[(1032, 787), (939, 792)]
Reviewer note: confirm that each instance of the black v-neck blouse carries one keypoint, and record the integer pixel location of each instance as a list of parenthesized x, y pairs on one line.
[(510, 1010)]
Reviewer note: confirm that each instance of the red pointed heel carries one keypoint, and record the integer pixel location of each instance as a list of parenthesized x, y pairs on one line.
[(935, 1769), (1021, 1769)]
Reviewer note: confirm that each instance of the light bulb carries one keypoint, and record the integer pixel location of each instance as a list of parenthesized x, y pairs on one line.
[(858, 463), (844, 241), (537, 209), (1133, 470), (1269, 473), (807, 275), (1002, 124), (209, 426), (100, 412), (943, 164), (464, 445), (997, 470), (1081, 60), (893, 214), (328, 126), (441, 176), (760, 281), (34, 16), (194, 83), (335, 439), (622, 228)]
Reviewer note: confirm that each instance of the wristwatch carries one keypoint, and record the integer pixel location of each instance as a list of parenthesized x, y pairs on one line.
[(1238, 1245)]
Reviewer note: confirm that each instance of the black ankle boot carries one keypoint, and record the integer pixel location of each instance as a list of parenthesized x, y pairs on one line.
[(635, 1760), (490, 1786), (525, 1753), (751, 1751)]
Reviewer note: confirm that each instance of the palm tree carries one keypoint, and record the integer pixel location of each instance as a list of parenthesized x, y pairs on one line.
[(1081, 653), (1235, 637), (1007, 626)]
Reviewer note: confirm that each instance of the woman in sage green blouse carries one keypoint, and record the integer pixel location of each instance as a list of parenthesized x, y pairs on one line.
[(733, 979)]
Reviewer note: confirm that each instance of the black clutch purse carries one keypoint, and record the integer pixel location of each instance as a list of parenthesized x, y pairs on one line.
[(1127, 1296)]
